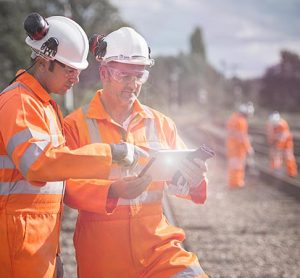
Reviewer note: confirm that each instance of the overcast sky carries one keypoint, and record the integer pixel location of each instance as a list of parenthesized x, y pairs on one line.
[(241, 36)]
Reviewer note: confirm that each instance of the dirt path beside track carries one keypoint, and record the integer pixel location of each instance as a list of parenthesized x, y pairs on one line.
[(249, 232)]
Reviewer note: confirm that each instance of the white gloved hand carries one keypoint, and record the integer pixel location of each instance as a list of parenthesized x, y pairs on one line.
[(190, 174), (126, 154)]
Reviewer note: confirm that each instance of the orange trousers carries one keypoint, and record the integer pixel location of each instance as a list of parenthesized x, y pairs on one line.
[(28, 243), (132, 244), (236, 171)]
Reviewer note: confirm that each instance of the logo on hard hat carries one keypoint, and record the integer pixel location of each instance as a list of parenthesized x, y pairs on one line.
[(49, 47)]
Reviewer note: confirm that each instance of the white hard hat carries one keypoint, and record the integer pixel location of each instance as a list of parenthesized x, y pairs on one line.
[(274, 118), (124, 45), (63, 40), (247, 108)]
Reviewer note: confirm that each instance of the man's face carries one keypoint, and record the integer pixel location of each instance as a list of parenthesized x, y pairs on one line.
[(61, 78), (123, 82)]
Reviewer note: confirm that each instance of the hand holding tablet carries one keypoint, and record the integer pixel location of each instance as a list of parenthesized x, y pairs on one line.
[(165, 163)]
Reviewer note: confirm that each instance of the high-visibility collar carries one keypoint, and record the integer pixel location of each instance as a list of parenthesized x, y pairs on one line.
[(34, 85), (96, 109)]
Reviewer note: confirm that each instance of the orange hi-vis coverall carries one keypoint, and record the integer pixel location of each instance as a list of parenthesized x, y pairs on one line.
[(238, 145), (281, 144), (120, 237), (34, 162)]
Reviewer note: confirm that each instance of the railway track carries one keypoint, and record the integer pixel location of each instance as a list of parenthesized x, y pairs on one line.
[(215, 136), (249, 232)]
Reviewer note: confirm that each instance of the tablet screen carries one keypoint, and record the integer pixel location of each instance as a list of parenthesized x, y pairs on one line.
[(164, 164)]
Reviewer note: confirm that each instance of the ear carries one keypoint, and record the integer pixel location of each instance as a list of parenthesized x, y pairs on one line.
[(42, 64), (103, 73)]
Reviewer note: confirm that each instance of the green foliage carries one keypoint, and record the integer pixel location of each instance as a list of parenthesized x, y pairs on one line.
[(197, 44), (93, 15), (281, 84)]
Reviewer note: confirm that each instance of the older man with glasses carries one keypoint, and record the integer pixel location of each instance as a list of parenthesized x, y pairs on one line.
[(121, 230)]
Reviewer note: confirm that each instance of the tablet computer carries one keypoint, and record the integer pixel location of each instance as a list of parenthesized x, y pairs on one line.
[(164, 163)]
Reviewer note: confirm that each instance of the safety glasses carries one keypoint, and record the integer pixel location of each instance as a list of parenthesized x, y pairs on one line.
[(69, 72), (121, 76)]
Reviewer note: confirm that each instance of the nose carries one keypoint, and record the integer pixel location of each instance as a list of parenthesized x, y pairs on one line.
[(132, 82), (74, 76)]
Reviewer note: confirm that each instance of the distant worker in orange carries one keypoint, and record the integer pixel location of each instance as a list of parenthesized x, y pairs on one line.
[(121, 232), (238, 145), (281, 145), (34, 160)]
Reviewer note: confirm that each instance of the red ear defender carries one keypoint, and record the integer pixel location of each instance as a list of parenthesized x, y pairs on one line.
[(98, 46), (36, 26)]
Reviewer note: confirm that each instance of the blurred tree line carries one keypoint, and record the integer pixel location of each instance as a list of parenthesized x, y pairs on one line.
[(95, 16), (281, 84), (175, 81)]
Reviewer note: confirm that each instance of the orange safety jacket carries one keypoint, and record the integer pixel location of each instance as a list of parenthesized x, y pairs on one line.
[(34, 162), (238, 145), (281, 144), (120, 237)]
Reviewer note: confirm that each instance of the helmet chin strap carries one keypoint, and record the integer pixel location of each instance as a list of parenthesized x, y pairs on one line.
[(27, 69)]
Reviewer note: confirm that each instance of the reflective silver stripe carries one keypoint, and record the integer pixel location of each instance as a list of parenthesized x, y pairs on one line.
[(236, 163), (24, 187), (282, 136), (6, 162), (289, 154), (92, 126), (145, 197), (31, 154), (151, 134), (13, 86), (23, 136), (53, 126), (190, 272), (237, 135)]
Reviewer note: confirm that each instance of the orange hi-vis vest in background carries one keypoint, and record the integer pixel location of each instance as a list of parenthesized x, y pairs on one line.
[(281, 145), (120, 237), (34, 162), (237, 145)]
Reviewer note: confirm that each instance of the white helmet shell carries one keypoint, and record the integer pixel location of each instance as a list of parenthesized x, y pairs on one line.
[(274, 118), (73, 45), (247, 108), (125, 45)]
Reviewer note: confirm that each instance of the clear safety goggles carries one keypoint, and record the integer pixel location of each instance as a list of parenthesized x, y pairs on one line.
[(69, 72), (121, 76)]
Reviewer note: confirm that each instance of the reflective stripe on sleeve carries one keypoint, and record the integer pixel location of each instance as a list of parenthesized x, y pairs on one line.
[(23, 136), (24, 187), (6, 162), (190, 271), (31, 154)]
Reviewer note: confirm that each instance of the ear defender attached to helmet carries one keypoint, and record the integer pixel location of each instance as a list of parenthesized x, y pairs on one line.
[(124, 45), (98, 46), (36, 26)]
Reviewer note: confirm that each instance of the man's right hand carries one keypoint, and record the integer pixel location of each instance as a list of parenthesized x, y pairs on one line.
[(129, 187), (126, 154)]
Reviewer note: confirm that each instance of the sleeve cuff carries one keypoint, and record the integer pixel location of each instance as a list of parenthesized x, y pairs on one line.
[(198, 193)]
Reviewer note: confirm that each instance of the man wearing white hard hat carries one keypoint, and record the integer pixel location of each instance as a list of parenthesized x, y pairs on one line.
[(280, 140), (238, 144), (121, 230), (34, 161)]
